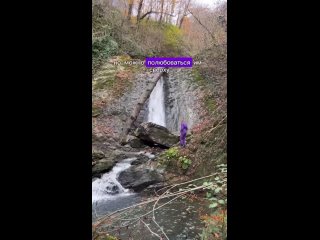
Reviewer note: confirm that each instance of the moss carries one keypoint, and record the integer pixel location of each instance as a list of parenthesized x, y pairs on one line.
[(108, 237), (96, 111), (124, 58), (111, 238), (104, 83), (210, 104), (197, 76)]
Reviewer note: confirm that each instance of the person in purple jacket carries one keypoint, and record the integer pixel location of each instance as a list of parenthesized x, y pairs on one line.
[(183, 134)]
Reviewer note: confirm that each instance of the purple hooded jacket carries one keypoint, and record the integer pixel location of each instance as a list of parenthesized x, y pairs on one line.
[(183, 133)]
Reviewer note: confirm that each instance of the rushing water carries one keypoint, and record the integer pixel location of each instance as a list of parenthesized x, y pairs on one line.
[(156, 107), (108, 194), (180, 219), (108, 187)]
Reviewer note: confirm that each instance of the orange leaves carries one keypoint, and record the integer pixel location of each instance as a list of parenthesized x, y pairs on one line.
[(216, 235), (121, 83), (204, 217), (217, 218), (214, 218), (98, 104), (122, 74)]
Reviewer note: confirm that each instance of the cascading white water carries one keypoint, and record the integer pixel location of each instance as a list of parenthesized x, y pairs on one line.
[(108, 187), (156, 108)]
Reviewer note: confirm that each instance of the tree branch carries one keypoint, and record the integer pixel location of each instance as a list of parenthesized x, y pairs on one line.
[(198, 20), (147, 13), (153, 233)]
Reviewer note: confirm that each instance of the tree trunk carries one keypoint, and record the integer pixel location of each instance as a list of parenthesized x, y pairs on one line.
[(166, 17), (161, 11), (184, 13), (137, 109), (130, 10), (181, 21), (177, 22), (172, 10), (139, 10)]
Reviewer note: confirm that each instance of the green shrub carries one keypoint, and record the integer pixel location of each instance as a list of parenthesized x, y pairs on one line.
[(104, 48), (185, 162), (173, 36), (172, 153), (171, 157)]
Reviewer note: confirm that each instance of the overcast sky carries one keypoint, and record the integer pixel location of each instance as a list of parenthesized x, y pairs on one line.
[(209, 3)]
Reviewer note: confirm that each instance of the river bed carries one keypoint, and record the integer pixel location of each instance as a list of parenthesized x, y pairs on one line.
[(179, 220)]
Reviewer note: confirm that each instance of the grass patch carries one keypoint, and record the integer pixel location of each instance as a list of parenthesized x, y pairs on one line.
[(96, 111), (197, 76), (210, 104)]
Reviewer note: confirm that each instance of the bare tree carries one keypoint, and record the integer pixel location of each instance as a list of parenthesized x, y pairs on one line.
[(161, 10), (198, 20), (131, 2), (173, 5), (156, 8), (139, 10), (185, 12)]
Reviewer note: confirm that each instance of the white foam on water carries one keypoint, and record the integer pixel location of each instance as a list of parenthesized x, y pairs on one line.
[(108, 187)]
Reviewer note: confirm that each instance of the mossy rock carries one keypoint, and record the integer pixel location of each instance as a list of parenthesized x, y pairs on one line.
[(103, 83), (197, 76), (96, 111), (105, 72), (97, 155), (210, 104), (102, 166), (108, 237)]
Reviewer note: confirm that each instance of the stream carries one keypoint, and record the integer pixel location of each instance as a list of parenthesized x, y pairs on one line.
[(108, 194), (180, 219)]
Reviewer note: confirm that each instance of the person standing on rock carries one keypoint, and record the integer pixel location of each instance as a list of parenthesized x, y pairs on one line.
[(183, 134)]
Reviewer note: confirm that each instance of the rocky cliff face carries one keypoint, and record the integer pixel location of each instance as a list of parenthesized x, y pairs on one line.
[(180, 99), (110, 118), (117, 91)]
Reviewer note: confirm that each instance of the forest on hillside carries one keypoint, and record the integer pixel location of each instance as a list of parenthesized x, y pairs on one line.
[(156, 27)]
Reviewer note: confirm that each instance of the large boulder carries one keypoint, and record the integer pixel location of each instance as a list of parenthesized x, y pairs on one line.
[(102, 166), (153, 133), (141, 159), (134, 142), (97, 155), (103, 162), (138, 178)]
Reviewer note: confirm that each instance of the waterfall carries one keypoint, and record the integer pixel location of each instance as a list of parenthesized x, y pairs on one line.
[(156, 108), (108, 187)]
